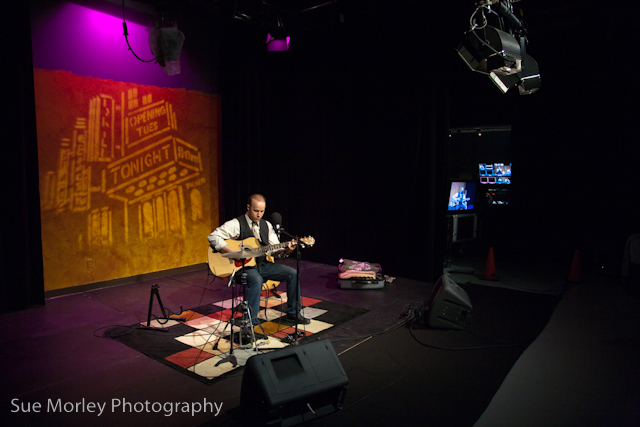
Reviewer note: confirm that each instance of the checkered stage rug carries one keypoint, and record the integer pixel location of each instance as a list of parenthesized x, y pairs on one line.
[(199, 346)]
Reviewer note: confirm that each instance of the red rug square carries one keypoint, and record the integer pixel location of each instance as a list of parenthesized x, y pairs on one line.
[(189, 357)]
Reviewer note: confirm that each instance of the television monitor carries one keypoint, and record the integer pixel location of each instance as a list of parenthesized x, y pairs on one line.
[(494, 173), (462, 196), (448, 306), (497, 196)]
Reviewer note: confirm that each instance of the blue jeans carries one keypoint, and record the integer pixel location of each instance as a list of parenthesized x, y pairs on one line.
[(259, 274)]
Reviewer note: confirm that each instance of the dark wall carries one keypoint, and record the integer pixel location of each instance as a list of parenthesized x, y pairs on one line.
[(342, 135)]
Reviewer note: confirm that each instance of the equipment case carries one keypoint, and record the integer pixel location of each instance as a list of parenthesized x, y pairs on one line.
[(359, 275)]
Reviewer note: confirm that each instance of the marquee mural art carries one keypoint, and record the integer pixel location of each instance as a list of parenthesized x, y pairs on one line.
[(128, 177)]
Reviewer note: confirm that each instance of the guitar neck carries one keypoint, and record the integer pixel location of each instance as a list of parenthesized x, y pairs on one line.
[(274, 247), (253, 244)]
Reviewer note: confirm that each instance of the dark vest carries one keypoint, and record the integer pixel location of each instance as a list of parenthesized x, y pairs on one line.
[(246, 232)]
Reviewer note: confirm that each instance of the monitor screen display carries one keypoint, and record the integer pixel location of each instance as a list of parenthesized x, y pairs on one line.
[(497, 196), (462, 196), (494, 173)]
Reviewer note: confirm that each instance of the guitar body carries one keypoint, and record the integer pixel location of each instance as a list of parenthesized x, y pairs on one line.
[(223, 267), (248, 244)]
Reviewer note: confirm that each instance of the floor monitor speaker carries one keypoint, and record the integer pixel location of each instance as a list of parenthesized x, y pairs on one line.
[(448, 306), (293, 385)]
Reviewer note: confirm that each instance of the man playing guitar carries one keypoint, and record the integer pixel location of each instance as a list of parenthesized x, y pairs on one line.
[(250, 225)]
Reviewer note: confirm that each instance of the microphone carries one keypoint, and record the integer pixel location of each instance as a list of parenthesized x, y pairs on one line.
[(276, 220)]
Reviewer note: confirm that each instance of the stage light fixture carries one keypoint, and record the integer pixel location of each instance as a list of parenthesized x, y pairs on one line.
[(269, 17), (166, 45), (500, 53), (165, 41), (277, 38), (277, 43), (490, 50), (527, 81)]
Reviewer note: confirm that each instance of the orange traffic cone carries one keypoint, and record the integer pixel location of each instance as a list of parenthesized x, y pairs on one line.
[(490, 267), (574, 274)]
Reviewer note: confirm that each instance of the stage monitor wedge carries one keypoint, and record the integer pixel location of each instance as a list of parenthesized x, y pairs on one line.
[(293, 385), (448, 306)]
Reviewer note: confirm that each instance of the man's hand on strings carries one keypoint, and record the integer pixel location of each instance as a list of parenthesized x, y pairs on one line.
[(291, 246)]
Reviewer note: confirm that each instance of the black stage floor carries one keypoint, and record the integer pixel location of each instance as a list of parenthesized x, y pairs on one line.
[(579, 367)]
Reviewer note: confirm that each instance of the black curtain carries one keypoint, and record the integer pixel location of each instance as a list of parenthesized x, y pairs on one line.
[(345, 135), (21, 274)]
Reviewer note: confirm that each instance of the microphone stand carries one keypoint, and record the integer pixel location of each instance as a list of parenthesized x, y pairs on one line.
[(298, 290)]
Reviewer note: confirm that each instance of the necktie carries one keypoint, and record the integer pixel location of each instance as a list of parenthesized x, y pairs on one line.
[(256, 230)]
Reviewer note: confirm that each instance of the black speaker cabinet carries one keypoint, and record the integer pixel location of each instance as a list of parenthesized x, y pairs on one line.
[(449, 306), (293, 385)]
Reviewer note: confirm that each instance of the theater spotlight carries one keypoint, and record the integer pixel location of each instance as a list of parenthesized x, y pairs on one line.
[(165, 41), (277, 43), (527, 80), (277, 39), (500, 53), (490, 50), (166, 45)]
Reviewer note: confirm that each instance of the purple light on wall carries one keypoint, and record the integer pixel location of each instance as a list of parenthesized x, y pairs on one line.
[(86, 42)]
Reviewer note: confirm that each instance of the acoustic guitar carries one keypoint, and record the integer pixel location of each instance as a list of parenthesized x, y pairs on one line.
[(223, 267)]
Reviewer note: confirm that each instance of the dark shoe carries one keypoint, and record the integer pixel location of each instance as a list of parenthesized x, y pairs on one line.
[(298, 318)]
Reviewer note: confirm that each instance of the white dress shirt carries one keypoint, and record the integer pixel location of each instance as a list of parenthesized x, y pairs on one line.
[(231, 230)]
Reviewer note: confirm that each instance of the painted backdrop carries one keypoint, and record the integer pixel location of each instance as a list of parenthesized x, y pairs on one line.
[(128, 177)]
